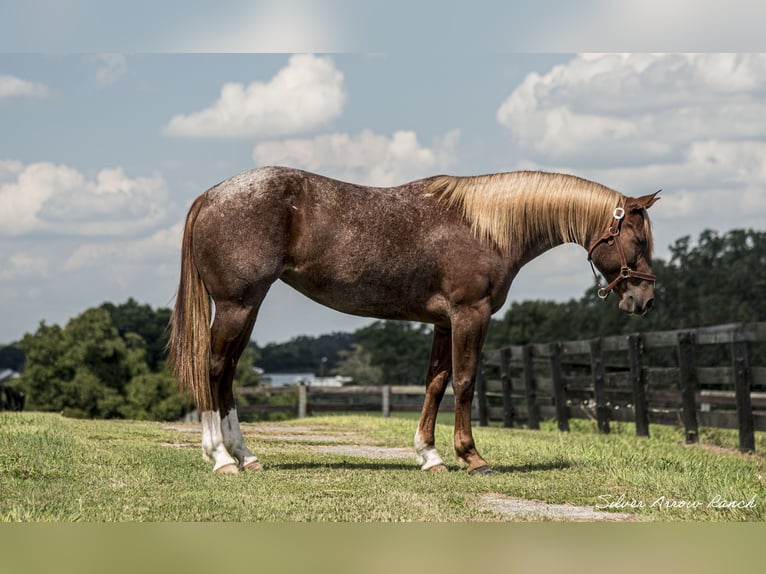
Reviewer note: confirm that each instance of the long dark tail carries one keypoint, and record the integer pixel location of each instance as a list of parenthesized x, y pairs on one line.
[(189, 344)]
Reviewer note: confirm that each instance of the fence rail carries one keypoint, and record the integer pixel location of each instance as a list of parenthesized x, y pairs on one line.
[(308, 399), (691, 378), (616, 379)]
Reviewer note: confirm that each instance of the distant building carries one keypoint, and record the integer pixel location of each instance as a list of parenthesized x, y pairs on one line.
[(308, 379), (336, 381)]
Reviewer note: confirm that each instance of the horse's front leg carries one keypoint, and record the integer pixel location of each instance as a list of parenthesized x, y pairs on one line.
[(469, 327), (439, 370)]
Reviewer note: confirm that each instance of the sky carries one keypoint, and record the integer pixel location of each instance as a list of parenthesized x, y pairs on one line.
[(107, 135)]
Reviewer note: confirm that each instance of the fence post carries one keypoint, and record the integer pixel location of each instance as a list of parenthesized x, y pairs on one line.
[(530, 388), (559, 392), (687, 382), (741, 364), (637, 382), (481, 392), (599, 384), (505, 379), (302, 400), (386, 400)]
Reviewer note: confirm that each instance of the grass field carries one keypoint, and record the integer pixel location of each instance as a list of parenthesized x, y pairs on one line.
[(358, 468)]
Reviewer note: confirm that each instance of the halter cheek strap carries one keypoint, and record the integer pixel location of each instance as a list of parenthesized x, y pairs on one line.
[(612, 236)]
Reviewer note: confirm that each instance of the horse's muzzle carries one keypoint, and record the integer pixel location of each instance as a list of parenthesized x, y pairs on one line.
[(634, 303)]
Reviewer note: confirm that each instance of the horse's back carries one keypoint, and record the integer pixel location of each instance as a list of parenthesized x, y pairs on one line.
[(252, 185)]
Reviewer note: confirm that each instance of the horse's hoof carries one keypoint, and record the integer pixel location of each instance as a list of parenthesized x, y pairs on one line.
[(486, 469), (437, 468), (253, 465), (227, 469)]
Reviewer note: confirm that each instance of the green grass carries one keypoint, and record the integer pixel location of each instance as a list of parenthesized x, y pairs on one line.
[(58, 469)]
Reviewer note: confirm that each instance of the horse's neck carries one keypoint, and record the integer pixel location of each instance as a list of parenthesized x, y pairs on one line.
[(570, 218), (529, 212)]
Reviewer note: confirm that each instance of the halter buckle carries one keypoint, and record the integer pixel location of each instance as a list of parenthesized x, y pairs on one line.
[(602, 293), (618, 213)]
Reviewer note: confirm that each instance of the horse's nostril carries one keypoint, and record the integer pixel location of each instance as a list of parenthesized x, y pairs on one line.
[(649, 305)]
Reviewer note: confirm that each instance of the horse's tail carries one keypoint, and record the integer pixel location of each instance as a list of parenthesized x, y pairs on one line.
[(189, 344)]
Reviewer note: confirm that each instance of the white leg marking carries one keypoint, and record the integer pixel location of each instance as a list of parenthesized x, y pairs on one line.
[(234, 441), (213, 448), (427, 455)]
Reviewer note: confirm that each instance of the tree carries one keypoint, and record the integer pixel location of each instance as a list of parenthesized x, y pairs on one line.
[(150, 324), (303, 353), (155, 396), (357, 364), (398, 348), (720, 280), (47, 372), (79, 370), (246, 375), (532, 321), (91, 369)]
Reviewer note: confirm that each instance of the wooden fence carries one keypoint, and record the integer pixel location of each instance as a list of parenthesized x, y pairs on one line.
[(630, 378), (690, 378), (303, 400)]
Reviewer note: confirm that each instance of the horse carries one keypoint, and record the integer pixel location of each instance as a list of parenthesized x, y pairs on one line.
[(442, 250)]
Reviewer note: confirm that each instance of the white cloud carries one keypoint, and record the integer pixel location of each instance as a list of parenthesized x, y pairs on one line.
[(59, 199), (306, 94), (601, 109), (691, 124), (11, 86), (366, 158), (111, 68), (717, 183)]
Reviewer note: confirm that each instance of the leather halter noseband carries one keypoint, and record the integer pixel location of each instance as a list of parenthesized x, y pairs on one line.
[(612, 237)]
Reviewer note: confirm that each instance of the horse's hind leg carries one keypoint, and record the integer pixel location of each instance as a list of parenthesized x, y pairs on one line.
[(226, 333), (439, 369), (230, 334), (232, 434)]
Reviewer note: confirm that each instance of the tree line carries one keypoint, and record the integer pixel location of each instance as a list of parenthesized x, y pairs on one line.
[(109, 361)]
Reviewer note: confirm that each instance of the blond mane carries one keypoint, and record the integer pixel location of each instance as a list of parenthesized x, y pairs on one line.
[(523, 207)]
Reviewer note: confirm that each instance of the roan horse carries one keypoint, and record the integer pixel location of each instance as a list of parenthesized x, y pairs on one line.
[(442, 250)]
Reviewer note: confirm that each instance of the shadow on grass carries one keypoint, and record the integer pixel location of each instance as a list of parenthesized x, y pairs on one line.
[(388, 465), (355, 465), (539, 466)]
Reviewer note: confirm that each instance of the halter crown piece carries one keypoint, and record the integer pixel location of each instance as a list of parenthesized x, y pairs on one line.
[(612, 237)]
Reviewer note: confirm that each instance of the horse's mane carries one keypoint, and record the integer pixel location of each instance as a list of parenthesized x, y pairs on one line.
[(518, 208)]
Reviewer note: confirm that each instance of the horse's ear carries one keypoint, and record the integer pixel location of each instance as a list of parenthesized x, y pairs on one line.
[(645, 201)]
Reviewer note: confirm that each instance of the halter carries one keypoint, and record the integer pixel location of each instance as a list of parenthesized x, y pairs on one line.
[(612, 237)]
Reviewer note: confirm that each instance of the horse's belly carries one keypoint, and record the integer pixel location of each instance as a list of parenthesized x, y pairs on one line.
[(397, 296)]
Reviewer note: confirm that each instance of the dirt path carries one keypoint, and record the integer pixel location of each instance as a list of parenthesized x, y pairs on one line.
[(533, 509)]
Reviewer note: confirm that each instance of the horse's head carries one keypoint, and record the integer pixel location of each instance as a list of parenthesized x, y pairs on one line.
[(623, 254)]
